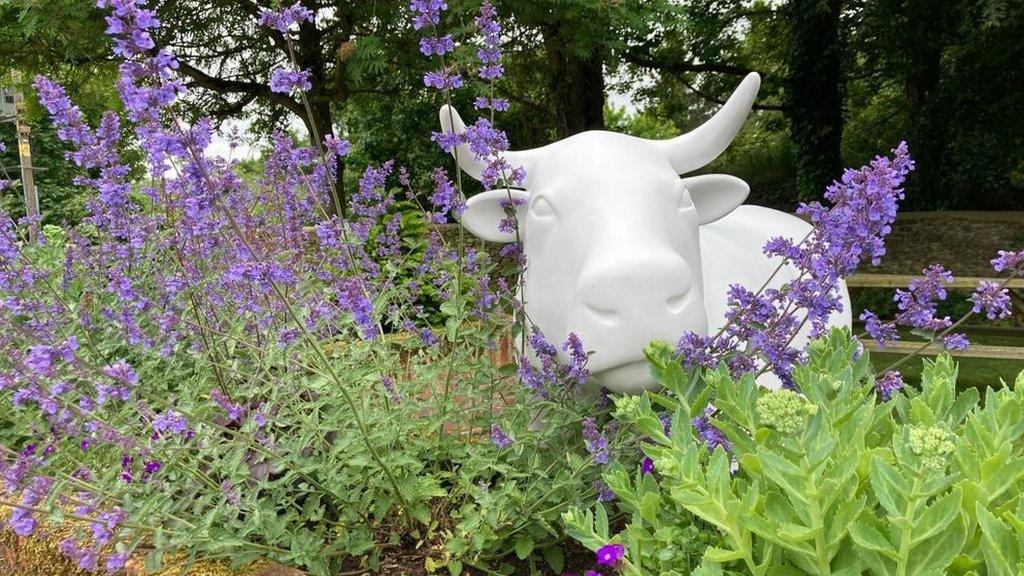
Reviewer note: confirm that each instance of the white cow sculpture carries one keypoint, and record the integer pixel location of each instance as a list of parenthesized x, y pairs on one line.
[(621, 250)]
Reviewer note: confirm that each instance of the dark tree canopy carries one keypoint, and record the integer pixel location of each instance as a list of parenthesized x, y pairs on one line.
[(842, 79)]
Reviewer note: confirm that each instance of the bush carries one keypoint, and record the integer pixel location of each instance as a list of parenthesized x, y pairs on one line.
[(831, 481)]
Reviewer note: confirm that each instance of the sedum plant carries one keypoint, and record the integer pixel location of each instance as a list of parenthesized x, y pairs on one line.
[(834, 480)]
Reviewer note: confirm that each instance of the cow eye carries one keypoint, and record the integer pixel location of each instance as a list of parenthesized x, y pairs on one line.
[(542, 208)]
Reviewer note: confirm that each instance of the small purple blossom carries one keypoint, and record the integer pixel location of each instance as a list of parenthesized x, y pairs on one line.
[(442, 80), (890, 383), (22, 522), (992, 299), (230, 493), (285, 19), (234, 411), (437, 46), (1009, 261), (610, 554), (284, 81), (122, 372), (116, 562), (881, 332), (388, 383), (604, 493), (499, 438), (169, 422), (647, 466), (708, 433), (595, 442), (955, 341), (427, 13)]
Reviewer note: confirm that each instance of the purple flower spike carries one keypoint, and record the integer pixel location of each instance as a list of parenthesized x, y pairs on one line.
[(1009, 261), (890, 383), (285, 19), (285, 81), (708, 433), (499, 438), (955, 341), (992, 299), (596, 444), (604, 493)]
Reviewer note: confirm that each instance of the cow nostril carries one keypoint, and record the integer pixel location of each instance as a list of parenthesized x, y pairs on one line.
[(603, 314), (676, 303)]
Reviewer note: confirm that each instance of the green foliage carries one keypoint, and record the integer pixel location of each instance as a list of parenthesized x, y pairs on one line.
[(307, 489), (830, 482)]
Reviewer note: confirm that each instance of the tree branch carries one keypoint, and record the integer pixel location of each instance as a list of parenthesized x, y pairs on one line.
[(225, 86)]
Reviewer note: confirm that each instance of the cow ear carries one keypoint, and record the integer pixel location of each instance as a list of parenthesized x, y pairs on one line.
[(485, 211), (716, 195)]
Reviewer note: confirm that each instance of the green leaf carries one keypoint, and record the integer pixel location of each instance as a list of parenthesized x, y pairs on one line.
[(722, 556), (934, 555), (555, 558), (649, 506), (1002, 554), (524, 547), (887, 485), (937, 517), (866, 535)]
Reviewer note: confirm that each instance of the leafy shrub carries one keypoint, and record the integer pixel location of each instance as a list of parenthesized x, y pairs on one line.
[(222, 366), (831, 481)]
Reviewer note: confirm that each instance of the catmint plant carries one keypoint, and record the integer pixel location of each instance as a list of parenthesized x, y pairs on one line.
[(216, 366)]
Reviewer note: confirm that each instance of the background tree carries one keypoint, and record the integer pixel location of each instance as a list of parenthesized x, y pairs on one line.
[(842, 80)]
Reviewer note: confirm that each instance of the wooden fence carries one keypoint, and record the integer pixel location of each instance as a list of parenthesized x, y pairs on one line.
[(1016, 287)]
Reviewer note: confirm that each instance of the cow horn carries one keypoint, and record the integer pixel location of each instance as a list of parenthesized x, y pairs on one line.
[(451, 123), (704, 143)]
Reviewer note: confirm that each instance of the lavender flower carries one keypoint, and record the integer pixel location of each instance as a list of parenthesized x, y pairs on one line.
[(442, 80), (881, 332), (596, 444), (437, 46), (169, 422), (282, 21), (489, 52), (991, 298), (1009, 261), (577, 368), (955, 341), (760, 327), (388, 383), (604, 493), (708, 433), (647, 466), (499, 438), (890, 383), (427, 13), (445, 198), (285, 81)]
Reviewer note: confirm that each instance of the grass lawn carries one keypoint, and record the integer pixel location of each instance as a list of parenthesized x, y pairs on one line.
[(974, 372)]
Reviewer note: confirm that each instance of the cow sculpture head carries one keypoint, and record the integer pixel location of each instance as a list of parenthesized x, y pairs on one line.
[(611, 234)]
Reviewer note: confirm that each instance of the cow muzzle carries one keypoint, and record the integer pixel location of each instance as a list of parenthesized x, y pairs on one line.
[(620, 306)]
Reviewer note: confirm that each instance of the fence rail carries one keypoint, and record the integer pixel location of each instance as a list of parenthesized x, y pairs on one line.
[(975, 350)]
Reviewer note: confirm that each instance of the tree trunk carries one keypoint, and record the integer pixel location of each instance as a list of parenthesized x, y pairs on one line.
[(924, 39), (577, 85), (814, 90)]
